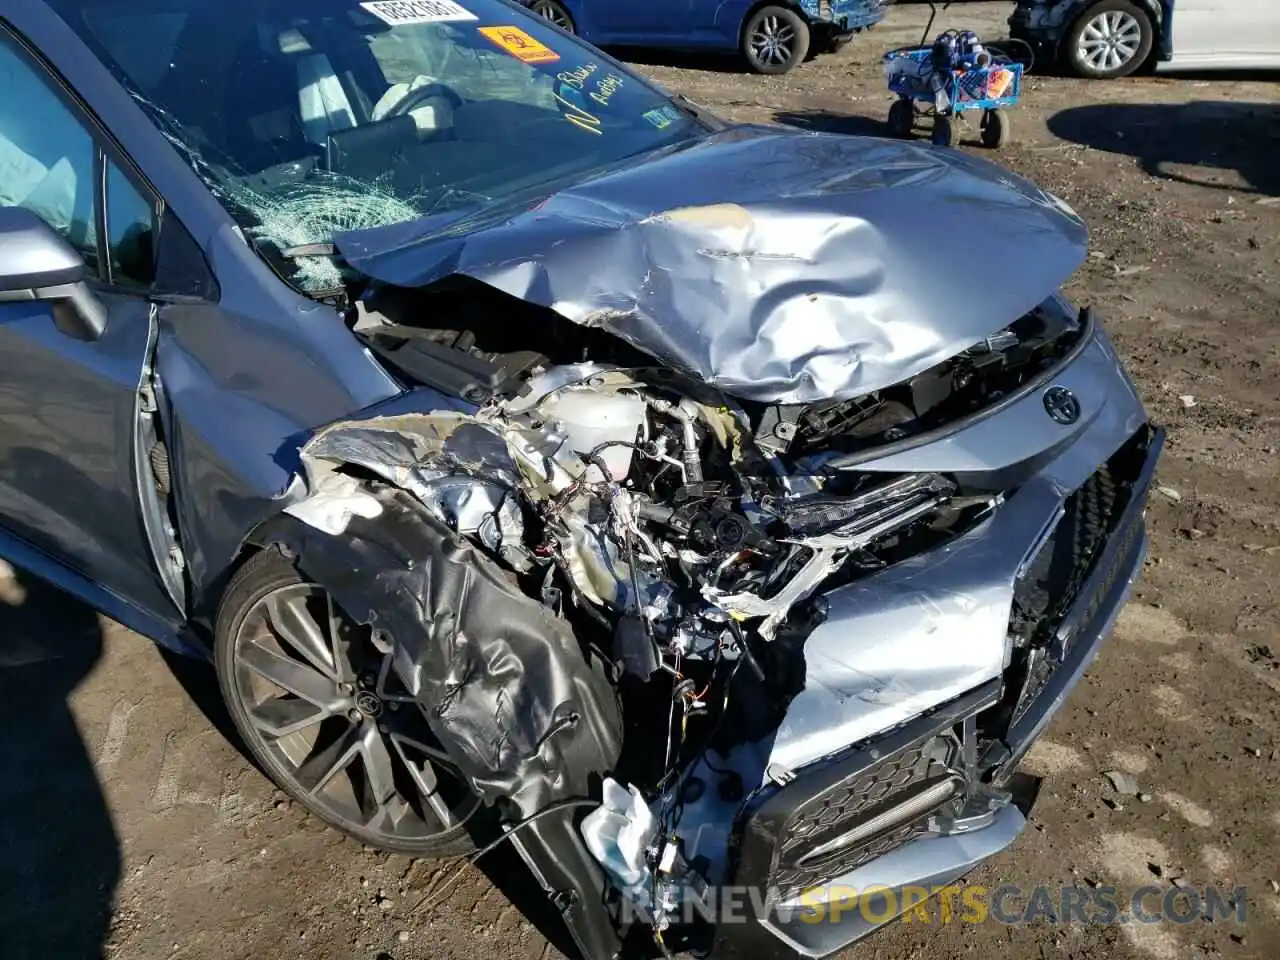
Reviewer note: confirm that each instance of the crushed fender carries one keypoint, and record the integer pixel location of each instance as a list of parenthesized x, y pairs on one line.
[(508, 690)]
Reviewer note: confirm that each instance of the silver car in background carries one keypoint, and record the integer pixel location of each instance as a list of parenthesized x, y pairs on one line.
[(1105, 39)]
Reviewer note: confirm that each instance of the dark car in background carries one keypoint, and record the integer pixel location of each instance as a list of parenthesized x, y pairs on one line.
[(774, 37)]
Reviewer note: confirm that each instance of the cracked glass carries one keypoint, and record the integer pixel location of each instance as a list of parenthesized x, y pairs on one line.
[(311, 120)]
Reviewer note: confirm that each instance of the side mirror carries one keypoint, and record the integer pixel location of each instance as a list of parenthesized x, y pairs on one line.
[(37, 264)]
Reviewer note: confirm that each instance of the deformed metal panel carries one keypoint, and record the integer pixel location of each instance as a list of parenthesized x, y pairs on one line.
[(824, 267), (503, 682)]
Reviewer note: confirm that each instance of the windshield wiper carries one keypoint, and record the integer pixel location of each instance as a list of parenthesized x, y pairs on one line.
[(309, 250), (697, 112)]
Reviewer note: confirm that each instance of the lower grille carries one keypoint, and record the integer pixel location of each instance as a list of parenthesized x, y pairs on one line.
[(822, 839), (840, 813)]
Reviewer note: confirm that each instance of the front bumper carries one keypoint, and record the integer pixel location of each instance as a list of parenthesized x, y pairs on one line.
[(843, 17), (923, 649), (1043, 24)]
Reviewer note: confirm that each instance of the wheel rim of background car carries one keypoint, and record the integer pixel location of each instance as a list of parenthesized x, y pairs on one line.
[(553, 12), (320, 695), (772, 40), (1110, 40)]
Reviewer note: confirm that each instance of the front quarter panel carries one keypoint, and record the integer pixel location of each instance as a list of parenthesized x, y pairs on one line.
[(239, 398), (729, 18)]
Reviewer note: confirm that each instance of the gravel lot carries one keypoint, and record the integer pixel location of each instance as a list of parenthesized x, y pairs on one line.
[(131, 827)]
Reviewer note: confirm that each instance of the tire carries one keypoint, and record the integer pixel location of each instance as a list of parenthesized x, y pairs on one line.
[(996, 129), (775, 40), (267, 601), (555, 12), (902, 118), (1111, 39), (946, 132)]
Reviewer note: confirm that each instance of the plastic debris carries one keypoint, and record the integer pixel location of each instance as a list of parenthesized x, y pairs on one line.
[(1123, 783)]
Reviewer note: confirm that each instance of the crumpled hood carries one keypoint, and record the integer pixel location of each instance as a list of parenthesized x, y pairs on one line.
[(778, 266)]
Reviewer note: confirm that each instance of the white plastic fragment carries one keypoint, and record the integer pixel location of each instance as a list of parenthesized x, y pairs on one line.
[(334, 502), (1123, 783), (619, 831)]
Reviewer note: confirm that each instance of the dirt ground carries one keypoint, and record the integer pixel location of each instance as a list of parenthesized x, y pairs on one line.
[(131, 827)]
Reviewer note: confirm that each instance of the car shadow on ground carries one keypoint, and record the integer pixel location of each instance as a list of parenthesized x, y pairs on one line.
[(502, 866), (198, 680), (1169, 138), (60, 855), (710, 61), (829, 121)]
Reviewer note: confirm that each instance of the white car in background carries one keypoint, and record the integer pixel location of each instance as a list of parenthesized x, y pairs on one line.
[(1104, 39)]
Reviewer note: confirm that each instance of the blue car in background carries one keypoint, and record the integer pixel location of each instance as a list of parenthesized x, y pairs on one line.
[(773, 36)]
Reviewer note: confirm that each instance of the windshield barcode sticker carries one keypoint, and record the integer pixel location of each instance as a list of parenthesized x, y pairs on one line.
[(400, 12)]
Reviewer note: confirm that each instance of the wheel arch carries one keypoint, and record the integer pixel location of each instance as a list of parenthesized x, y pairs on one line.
[(275, 532)]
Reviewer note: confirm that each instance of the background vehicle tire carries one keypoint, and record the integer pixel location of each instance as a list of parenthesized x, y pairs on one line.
[(1111, 39), (775, 39), (996, 129), (902, 118), (555, 12), (946, 132), (316, 703)]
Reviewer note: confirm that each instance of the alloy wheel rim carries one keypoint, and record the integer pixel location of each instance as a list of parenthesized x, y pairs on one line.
[(325, 705), (1110, 40), (552, 12), (772, 40)]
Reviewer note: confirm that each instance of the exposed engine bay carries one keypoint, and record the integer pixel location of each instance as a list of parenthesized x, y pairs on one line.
[(677, 541), (686, 526)]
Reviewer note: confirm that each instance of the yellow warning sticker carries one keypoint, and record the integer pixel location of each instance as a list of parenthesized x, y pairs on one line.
[(520, 45)]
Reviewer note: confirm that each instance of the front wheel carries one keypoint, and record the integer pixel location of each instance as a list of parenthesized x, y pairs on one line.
[(315, 699), (555, 12), (1111, 39), (775, 39)]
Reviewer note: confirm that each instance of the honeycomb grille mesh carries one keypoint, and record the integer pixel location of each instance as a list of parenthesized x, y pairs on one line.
[(847, 804)]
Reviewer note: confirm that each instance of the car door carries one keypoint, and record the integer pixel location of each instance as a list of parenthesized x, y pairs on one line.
[(69, 406), (1228, 33), (642, 21)]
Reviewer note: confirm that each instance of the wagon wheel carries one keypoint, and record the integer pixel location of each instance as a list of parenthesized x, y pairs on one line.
[(946, 131), (902, 117), (996, 129)]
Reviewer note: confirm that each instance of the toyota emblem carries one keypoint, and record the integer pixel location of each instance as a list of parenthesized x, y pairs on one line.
[(1061, 405)]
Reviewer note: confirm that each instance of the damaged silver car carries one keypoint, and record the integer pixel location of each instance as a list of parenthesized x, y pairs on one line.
[(538, 457)]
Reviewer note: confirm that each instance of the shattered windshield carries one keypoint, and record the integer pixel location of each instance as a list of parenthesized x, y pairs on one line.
[(308, 118)]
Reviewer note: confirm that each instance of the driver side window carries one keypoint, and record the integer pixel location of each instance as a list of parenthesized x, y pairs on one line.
[(46, 156), (50, 164)]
